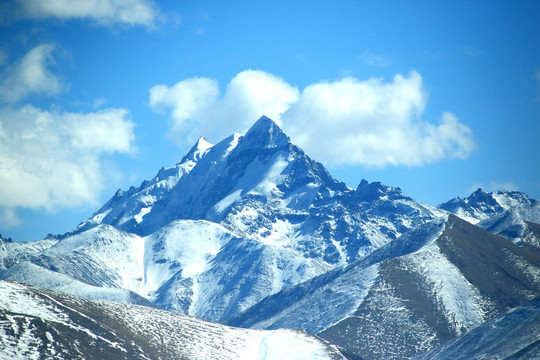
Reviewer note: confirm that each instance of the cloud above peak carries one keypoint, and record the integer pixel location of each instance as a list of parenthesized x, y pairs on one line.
[(103, 12), (345, 122), (197, 109)]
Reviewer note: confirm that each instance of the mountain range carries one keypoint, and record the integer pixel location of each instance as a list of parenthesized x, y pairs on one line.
[(251, 232)]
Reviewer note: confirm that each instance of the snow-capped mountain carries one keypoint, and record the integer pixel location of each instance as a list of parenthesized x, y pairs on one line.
[(229, 225), (431, 285), (262, 186), (507, 213), (252, 232), (41, 324)]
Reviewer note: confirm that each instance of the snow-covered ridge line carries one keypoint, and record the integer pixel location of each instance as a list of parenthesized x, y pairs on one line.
[(58, 325)]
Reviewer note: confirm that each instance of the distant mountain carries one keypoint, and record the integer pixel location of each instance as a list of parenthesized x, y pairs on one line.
[(507, 213), (511, 336), (41, 324), (430, 286)]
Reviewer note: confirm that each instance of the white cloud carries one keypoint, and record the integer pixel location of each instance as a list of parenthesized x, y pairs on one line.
[(105, 12), (51, 159), (31, 75), (197, 108), (187, 99), (349, 121)]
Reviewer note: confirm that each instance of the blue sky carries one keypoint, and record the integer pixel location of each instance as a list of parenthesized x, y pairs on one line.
[(438, 98)]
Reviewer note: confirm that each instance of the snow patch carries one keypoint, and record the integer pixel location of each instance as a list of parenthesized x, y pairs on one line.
[(271, 178), (183, 245), (227, 201), (461, 302), (289, 345), (138, 217)]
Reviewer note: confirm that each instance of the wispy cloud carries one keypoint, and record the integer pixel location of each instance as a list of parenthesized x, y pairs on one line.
[(371, 122), (98, 103), (31, 75), (375, 59), (472, 51), (9, 218), (3, 57), (103, 12)]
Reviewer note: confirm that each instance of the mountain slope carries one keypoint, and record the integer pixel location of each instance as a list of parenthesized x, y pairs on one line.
[(511, 336), (428, 287), (37, 323), (102, 263), (12, 252)]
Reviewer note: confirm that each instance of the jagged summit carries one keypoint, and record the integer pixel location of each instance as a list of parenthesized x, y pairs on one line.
[(505, 213), (482, 205), (197, 150), (263, 171), (367, 192), (265, 133)]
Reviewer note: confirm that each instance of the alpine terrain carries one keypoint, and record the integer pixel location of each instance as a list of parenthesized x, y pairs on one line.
[(251, 232), (436, 283), (42, 324)]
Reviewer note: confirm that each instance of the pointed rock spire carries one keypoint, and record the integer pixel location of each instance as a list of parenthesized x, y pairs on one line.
[(265, 134), (200, 147)]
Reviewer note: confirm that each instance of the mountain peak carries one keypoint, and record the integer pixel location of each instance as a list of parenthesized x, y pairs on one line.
[(367, 191), (479, 192), (263, 122), (200, 147), (202, 144), (265, 133)]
